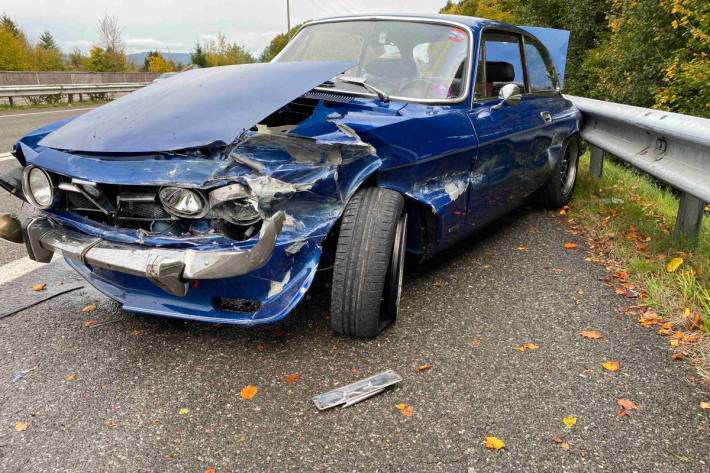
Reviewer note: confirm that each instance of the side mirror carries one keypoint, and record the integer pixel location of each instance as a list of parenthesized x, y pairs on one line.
[(510, 94)]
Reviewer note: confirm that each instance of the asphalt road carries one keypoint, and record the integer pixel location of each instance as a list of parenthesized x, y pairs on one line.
[(134, 375)]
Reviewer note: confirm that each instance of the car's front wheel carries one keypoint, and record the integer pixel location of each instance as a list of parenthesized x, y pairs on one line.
[(369, 260)]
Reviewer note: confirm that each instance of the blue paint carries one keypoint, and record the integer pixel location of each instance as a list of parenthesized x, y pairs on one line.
[(459, 167)]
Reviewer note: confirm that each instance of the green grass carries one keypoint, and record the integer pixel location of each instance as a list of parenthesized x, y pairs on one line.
[(7, 107), (651, 208)]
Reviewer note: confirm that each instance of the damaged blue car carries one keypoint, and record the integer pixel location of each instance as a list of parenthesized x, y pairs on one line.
[(219, 194)]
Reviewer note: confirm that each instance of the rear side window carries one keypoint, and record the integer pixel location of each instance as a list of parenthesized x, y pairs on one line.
[(540, 69), (503, 64)]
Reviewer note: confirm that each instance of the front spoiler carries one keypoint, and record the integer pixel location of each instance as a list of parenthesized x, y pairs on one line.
[(169, 269)]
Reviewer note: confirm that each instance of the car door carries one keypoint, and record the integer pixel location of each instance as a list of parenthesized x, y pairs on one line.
[(545, 106), (504, 132)]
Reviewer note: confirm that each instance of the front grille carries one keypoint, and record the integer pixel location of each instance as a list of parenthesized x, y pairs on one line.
[(143, 211)]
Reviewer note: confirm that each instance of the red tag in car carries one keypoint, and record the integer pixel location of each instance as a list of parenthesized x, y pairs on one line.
[(457, 35)]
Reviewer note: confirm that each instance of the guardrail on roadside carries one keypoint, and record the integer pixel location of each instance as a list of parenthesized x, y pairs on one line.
[(67, 89), (672, 147)]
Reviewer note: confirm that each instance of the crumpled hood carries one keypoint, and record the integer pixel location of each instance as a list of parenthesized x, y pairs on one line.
[(193, 108)]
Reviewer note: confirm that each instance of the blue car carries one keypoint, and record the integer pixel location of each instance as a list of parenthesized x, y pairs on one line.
[(220, 194)]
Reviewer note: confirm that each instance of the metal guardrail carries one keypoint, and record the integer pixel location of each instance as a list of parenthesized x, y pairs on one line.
[(67, 89), (672, 147)]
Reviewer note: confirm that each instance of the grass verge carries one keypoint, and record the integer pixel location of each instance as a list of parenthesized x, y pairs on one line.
[(627, 218), (8, 108)]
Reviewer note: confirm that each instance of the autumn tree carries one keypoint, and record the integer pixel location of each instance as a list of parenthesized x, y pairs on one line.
[(278, 43), (154, 62), (220, 52), (15, 51), (47, 55), (111, 46)]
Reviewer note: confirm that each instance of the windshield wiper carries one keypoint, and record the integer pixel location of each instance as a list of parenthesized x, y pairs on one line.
[(361, 82)]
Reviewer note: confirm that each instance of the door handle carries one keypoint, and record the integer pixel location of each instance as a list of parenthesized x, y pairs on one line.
[(546, 116)]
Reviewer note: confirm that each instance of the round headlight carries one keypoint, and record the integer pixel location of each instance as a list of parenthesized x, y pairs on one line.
[(38, 188), (182, 202)]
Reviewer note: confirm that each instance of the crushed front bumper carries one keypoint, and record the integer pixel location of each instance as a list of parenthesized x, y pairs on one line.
[(169, 269)]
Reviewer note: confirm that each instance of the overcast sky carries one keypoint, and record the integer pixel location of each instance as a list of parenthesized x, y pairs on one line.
[(175, 25)]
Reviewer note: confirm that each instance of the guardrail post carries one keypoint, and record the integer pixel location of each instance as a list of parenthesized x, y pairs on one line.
[(690, 216), (10, 99), (596, 161)]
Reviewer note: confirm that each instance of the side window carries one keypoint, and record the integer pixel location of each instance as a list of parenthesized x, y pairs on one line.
[(503, 63), (540, 69)]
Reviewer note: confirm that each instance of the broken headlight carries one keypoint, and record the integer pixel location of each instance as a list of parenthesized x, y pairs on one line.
[(182, 202), (235, 204)]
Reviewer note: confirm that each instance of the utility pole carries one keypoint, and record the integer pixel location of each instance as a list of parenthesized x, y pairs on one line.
[(288, 19)]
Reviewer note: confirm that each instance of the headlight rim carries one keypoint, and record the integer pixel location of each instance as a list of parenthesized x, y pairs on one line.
[(27, 189), (204, 208)]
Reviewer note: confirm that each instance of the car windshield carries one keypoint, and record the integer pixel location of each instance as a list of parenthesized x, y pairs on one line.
[(404, 59)]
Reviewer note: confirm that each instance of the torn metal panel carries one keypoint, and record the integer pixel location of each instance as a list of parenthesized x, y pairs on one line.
[(357, 391), (206, 105)]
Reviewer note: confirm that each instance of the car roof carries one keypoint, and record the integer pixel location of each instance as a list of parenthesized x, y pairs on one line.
[(472, 22)]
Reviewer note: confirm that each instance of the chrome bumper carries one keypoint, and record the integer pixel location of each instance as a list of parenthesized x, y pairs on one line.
[(168, 268)]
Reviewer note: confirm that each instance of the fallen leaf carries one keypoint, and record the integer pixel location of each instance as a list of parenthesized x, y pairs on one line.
[(569, 246), (569, 421), (39, 287), (210, 470), (183, 411), (89, 308), (674, 342), (676, 356), (407, 411), (135, 332), (278, 333), (89, 323), (564, 445), (593, 334), (521, 248), (705, 405), (71, 376), (531, 346), (494, 443), (649, 315), (21, 426), (260, 347), (437, 284), (627, 404), (111, 425), (486, 266), (611, 366), (679, 335), (293, 378), (557, 438), (519, 348), (155, 421), (401, 406), (249, 392), (674, 264), (623, 412), (533, 230), (423, 368), (621, 274)]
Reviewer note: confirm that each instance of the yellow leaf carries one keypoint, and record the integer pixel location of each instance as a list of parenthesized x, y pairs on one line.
[(519, 348), (407, 411), (401, 406), (611, 366), (686, 311), (183, 411), (593, 334), (521, 248), (494, 443), (20, 426), (89, 308), (673, 264), (111, 425), (705, 405), (71, 376), (674, 342), (249, 392), (38, 287), (531, 346), (569, 421)]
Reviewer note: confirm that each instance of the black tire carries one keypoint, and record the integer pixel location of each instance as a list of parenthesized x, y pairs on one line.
[(364, 297), (558, 190)]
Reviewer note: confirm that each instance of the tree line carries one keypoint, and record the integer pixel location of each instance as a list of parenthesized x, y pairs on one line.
[(649, 53)]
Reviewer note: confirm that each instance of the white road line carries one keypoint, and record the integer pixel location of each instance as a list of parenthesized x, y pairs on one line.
[(51, 111), (18, 268), (6, 157)]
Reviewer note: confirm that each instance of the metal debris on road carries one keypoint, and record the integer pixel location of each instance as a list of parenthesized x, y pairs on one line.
[(38, 301), (357, 391)]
